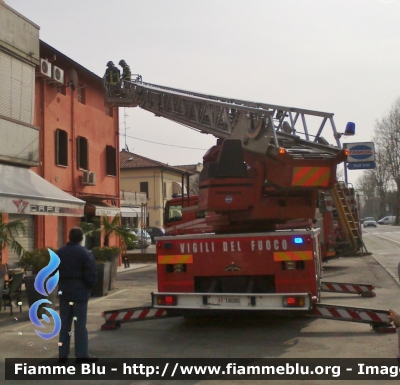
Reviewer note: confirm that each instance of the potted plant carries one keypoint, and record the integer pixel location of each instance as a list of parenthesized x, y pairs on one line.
[(105, 256), (107, 229), (32, 262), (8, 230)]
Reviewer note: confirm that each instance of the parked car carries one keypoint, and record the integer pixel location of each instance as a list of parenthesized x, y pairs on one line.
[(144, 236), (155, 232), (389, 220), (132, 244), (369, 222)]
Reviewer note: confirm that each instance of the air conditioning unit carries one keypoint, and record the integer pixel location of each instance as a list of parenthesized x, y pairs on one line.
[(89, 178), (45, 69), (57, 75)]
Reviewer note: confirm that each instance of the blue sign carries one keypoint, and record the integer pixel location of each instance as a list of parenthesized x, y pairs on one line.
[(360, 152), (361, 166)]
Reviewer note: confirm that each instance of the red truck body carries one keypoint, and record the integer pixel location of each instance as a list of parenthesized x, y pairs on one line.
[(257, 271)]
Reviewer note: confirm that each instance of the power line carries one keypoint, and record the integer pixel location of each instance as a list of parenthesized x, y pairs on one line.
[(163, 144)]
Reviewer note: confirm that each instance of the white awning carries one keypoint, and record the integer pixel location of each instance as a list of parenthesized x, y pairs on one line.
[(101, 208), (130, 212), (22, 191)]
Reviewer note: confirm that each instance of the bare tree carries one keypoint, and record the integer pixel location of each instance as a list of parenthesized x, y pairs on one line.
[(366, 186), (387, 139), (382, 178)]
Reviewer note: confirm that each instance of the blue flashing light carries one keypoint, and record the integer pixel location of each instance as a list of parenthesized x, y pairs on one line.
[(350, 129), (298, 240)]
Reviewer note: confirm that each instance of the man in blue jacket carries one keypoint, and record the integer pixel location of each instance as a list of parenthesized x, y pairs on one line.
[(77, 275)]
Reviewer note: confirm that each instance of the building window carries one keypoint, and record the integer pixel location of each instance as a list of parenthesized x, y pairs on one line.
[(144, 187), (82, 93), (165, 190), (61, 147), (109, 111), (111, 159), (82, 153)]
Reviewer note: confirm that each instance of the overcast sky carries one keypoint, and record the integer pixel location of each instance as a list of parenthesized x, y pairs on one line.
[(336, 56)]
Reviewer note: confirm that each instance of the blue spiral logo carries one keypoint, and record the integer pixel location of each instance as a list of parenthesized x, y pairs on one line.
[(45, 288)]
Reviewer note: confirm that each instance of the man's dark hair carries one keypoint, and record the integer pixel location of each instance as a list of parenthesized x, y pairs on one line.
[(76, 234)]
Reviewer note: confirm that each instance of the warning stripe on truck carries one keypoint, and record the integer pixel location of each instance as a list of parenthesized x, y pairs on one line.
[(310, 176), (293, 256), (173, 259)]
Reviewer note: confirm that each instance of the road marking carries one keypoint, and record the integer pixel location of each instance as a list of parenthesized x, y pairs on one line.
[(388, 239)]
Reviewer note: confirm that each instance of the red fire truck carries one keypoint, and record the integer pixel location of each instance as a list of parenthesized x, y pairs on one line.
[(265, 171)]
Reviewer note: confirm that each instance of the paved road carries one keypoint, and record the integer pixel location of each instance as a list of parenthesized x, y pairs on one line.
[(384, 241)]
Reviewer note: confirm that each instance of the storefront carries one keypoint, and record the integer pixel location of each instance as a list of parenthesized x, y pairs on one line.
[(24, 194), (131, 216)]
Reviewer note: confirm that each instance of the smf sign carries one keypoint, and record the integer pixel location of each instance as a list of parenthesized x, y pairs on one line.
[(361, 166), (360, 152)]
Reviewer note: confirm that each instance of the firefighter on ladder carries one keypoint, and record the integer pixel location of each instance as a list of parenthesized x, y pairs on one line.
[(126, 74), (111, 78)]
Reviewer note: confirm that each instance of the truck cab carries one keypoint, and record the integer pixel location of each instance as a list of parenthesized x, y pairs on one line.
[(182, 216)]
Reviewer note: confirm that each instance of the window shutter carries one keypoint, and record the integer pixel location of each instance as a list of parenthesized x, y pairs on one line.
[(17, 94)]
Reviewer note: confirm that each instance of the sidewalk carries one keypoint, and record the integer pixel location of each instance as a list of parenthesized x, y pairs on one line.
[(7, 320), (18, 337), (133, 266)]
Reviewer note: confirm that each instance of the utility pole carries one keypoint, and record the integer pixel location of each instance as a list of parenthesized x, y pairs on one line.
[(125, 128)]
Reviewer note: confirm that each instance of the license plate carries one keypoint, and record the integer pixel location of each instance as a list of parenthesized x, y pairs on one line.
[(229, 301)]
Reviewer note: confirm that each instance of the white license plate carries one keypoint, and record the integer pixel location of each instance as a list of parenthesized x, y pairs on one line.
[(229, 301)]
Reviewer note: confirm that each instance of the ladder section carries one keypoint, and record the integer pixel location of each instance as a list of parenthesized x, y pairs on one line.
[(346, 217), (262, 128)]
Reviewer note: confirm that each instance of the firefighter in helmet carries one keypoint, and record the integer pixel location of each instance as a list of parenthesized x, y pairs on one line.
[(126, 71), (111, 78)]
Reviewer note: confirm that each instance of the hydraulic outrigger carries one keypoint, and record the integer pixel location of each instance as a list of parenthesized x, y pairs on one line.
[(376, 318)]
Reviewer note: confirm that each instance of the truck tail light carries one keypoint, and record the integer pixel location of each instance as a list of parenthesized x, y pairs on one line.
[(293, 301), (293, 265), (175, 268), (167, 300), (180, 268)]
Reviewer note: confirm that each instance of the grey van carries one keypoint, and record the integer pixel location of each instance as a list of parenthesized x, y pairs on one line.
[(389, 220)]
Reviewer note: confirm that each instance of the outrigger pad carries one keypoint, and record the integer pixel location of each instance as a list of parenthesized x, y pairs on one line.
[(384, 328), (110, 326)]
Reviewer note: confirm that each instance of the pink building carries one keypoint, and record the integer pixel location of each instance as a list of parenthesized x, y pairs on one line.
[(79, 142)]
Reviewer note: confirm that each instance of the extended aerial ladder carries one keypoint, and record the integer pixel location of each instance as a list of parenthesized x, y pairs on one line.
[(273, 158), (262, 128)]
